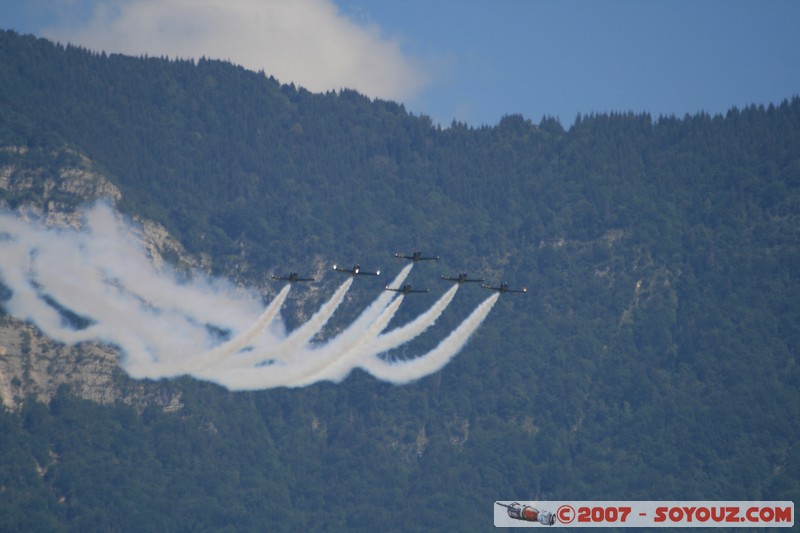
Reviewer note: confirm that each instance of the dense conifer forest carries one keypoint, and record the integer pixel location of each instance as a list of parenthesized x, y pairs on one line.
[(654, 355)]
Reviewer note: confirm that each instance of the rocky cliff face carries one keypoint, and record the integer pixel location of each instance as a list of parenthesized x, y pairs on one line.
[(32, 365)]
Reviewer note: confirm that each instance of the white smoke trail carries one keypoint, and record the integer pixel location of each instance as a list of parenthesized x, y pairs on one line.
[(89, 273), (400, 372), (301, 336), (206, 299), (327, 362), (333, 360), (338, 367), (98, 284), (68, 279), (304, 368), (307, 331), (370, 314), (413, 329), (32, 262), (25, 303), (227, 349)]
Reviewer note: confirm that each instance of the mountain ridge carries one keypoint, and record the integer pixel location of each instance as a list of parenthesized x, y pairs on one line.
[(654, 355)]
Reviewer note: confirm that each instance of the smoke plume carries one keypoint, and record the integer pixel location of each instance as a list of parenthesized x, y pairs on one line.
[(98, 284)]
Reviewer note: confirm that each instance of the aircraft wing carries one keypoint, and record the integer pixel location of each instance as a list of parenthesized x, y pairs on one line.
[(291, 278), (503, 288), (405, 289), (462, 278), (355, 271), (416, 256), (338, 268)]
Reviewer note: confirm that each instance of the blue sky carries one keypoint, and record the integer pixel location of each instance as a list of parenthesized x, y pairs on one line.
[(472, 61)]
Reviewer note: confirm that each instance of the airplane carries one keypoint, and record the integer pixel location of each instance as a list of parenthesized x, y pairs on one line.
[(529, 514), (416, 256), (462, 278), (503, 288), (405, 289), (355, 271), (291, 278)]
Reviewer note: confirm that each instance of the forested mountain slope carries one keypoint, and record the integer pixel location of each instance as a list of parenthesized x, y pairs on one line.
[(653, 357)]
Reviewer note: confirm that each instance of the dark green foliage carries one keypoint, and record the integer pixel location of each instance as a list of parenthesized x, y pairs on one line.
[(653, 357)]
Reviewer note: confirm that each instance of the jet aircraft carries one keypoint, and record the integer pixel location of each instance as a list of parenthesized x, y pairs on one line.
[(528, 513), (291, 278), (462, 278), (503, 288), (416, 256), (355, 271), (405, 289)]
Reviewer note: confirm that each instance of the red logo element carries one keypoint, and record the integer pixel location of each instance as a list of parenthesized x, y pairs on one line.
[(565, 514)]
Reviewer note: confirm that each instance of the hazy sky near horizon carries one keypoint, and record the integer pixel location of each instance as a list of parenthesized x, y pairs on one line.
[(471, 61)]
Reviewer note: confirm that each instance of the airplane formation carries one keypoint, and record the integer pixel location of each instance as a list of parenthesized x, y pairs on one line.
[(356, 270), (167, 326)]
